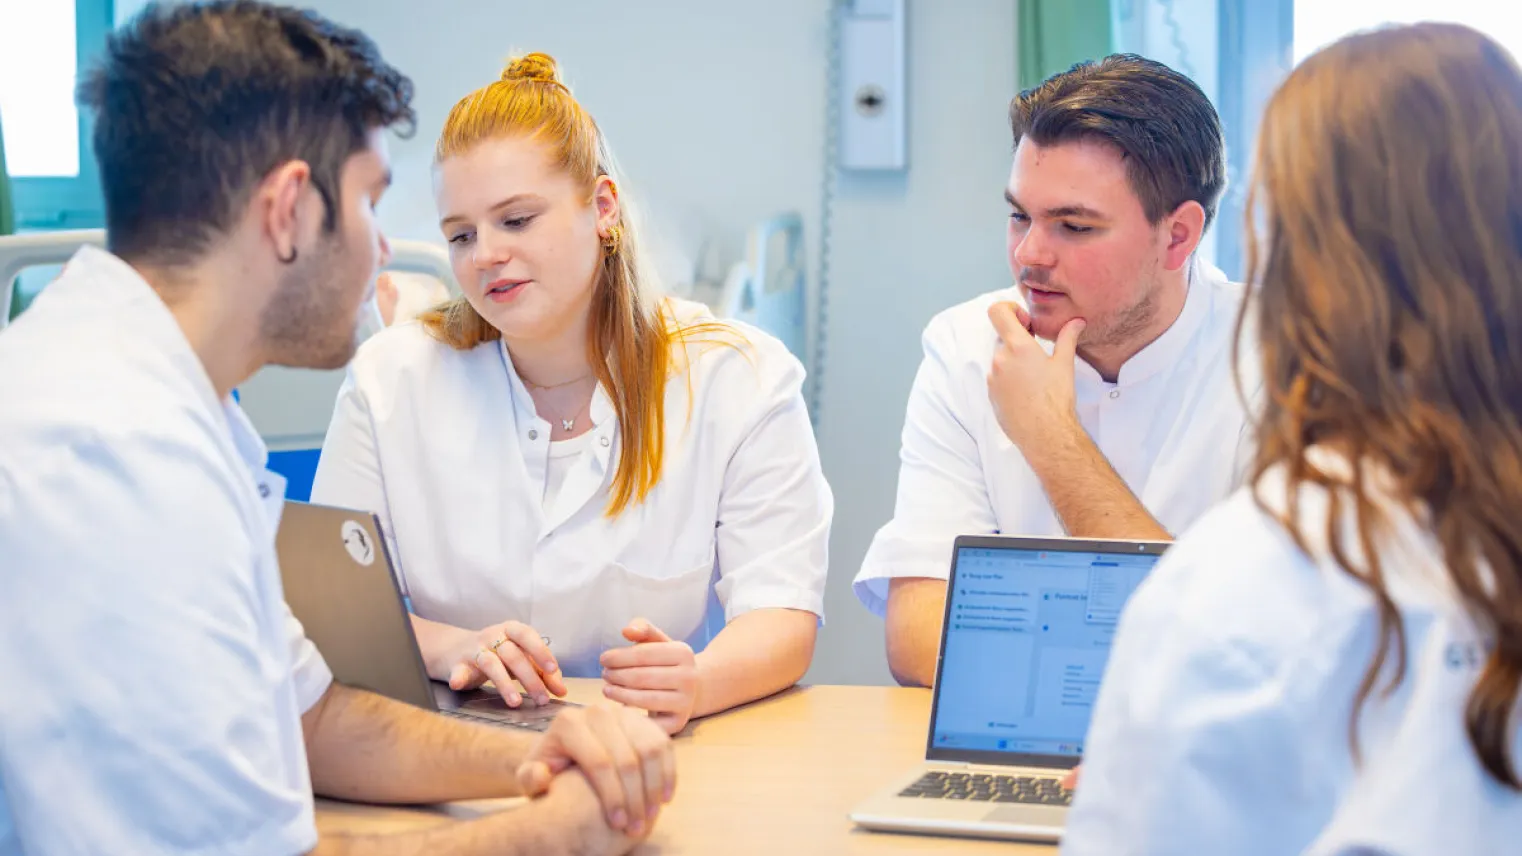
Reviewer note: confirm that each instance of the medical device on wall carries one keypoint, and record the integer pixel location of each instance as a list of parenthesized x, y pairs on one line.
[(873, 87), (769, 288)]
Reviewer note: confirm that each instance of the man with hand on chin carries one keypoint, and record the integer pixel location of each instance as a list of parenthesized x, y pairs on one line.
[(1096, 399)]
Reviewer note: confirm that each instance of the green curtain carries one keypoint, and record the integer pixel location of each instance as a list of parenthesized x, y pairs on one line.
[(1055, 34)]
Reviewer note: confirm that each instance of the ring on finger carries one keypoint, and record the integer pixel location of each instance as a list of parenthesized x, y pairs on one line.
[(501, 640)]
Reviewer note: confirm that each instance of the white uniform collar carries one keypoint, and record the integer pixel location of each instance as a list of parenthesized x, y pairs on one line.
[(1167, 350), (104, 279), (587, 476), (523, 403)]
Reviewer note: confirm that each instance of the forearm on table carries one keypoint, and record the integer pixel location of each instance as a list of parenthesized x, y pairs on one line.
[(757, 654), (566, 821), (912, 626), (365, 747), (1088, 496)]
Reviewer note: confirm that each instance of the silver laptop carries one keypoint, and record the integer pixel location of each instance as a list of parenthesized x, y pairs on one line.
[(340, 584), (1027, 632)]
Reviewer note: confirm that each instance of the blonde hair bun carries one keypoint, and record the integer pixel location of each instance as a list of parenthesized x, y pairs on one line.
[(539, 67)]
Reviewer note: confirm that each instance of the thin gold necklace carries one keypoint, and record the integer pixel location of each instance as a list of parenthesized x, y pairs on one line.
[(532, 385), (568, 424)]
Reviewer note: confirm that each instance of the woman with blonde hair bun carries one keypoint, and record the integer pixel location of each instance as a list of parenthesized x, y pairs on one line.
[(577, 476)]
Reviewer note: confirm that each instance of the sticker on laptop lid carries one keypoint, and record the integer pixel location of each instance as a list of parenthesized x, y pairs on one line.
[(357, 542)]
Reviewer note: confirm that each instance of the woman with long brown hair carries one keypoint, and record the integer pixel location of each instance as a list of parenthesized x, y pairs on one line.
[(1330, 661), (578, 477)]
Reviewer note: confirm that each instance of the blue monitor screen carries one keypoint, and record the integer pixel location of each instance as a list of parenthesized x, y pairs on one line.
[(1027, 637)]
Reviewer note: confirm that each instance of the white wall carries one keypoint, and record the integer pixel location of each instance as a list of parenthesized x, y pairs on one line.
[(906, 247), (716, 111)]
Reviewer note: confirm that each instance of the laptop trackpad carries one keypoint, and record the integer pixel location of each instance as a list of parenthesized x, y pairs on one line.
[(489, 703), (1027, 815)]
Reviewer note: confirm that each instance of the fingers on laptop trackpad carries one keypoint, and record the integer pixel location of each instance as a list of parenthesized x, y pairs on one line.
[(492, 702)]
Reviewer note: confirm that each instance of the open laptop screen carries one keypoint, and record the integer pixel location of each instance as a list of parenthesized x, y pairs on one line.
[(1029, 624)]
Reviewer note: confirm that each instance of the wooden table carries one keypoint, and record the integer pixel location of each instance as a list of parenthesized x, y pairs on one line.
[(775, 777)]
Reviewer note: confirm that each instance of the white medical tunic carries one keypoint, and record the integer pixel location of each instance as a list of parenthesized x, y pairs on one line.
[(1171, 425), (1222, 723), (446, 447), (152, 679)]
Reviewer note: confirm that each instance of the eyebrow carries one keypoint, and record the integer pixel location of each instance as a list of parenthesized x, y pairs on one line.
[(1081, 212), (511, 200), (1078, 211)]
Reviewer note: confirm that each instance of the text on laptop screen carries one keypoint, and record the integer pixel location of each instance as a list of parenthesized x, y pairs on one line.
[(1028, 634)]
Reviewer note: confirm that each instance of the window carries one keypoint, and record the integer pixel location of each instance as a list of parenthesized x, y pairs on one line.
[(1318, 23), (1237, 51), (1254, 50), (43, 46), (1261, 40)]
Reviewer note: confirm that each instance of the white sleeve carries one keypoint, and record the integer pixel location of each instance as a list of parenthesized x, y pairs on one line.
[(1192, 748), (349, 467), (775, 508), (309, 671), (942, 492), (146, 705)]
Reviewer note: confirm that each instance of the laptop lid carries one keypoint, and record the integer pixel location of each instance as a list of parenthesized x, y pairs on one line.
[(341, 586), (1025, 639)]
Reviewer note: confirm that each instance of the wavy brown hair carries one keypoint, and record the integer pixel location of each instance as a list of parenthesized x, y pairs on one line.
[(1388, 285)]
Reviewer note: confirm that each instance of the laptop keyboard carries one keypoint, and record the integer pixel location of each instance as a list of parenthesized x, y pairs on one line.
[(982, 787), (528, 725)]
